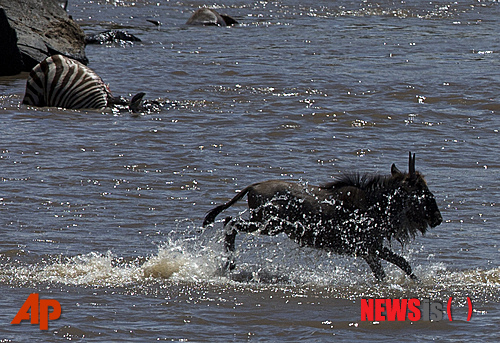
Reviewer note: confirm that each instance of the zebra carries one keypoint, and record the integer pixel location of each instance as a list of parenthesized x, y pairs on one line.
[(59, 81)]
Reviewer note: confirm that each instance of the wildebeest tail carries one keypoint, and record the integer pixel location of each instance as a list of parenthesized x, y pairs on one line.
[(212, 214)]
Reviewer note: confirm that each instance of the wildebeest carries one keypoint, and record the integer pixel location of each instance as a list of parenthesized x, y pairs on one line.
[(349, 216)]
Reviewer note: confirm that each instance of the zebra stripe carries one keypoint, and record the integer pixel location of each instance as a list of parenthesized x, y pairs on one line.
[(59, 81)]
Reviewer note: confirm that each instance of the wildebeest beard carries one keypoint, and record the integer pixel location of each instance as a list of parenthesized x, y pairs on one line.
[(351, 215)]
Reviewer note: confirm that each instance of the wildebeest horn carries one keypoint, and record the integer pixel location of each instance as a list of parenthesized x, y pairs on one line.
[(411, 164)]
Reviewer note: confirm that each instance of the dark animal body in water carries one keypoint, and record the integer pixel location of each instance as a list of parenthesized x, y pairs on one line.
[(111, 36), (59, 81), (207, 16), (350, 216)]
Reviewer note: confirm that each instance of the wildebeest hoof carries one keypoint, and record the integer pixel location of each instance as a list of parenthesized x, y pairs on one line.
[(226, 267), (230, 265), (136, 101)]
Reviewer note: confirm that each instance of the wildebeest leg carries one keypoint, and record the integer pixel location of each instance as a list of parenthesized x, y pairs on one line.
[(230, 236), (375, 265), (399, 261), (232, 227), (229, 245)]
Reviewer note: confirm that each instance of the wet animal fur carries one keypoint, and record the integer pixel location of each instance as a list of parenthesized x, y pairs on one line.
[(350, 216)]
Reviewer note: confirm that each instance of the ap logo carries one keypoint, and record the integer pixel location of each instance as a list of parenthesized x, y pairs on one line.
[(39, 311)]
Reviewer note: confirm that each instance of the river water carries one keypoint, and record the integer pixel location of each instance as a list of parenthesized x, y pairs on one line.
[(102, 212)]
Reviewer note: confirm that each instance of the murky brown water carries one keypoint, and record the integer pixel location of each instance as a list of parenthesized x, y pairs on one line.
[(104, 212)]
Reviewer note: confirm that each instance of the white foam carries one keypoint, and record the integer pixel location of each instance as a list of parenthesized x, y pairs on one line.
[(284, 263), (108, 269), (93, 269)]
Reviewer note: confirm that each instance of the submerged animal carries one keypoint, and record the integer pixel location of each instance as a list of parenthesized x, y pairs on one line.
[(111, 36), (210, 17), (59, 81), (349, 216)]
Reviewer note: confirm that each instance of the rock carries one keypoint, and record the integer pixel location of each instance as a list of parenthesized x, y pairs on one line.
[(207, 16), (10, 57), (41, 28)]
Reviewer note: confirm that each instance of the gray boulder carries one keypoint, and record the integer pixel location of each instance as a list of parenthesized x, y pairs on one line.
[(10, 57), (34, 30), (207, 16)]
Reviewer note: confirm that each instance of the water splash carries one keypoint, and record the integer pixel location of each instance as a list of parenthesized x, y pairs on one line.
[(263, 264)]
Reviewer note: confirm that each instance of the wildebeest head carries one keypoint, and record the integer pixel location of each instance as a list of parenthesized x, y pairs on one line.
[(416, 207)]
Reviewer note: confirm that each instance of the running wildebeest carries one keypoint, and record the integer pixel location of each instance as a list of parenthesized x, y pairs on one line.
[(349, 216)]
